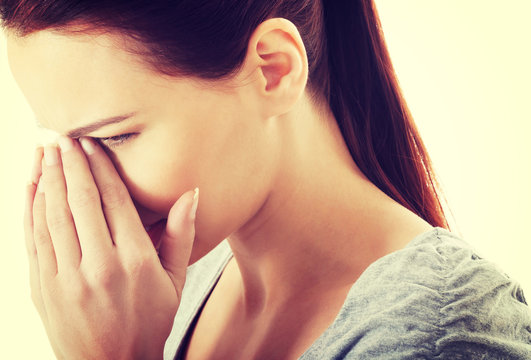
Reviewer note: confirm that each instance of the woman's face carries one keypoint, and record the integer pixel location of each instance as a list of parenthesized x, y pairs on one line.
[(181, 133)]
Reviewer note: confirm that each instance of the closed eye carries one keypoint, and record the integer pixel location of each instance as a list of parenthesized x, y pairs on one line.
[(115, 141)]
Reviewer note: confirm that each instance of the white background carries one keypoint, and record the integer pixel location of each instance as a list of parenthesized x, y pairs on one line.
[(464, 67)]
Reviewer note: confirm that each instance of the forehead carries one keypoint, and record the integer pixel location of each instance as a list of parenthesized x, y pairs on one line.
[(75, 77), (46, 55)]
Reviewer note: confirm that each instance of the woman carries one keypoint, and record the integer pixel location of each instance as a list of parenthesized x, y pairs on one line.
[(288, 117)]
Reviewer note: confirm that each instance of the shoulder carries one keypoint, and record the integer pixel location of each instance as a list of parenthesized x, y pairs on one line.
[(436, 298)]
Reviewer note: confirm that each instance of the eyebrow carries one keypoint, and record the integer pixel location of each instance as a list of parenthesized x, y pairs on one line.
[(87, 129)]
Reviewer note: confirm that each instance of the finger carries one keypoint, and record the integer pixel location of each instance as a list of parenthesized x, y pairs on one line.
[(34, 275), (41, 237), (85, 204), (28, 229), (120, 212), (58, 216), (30, 195), (178, 238), (35, 283), (31, 189)]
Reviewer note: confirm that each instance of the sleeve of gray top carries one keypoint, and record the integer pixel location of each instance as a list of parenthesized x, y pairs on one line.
[(485, 314), (435, 300)]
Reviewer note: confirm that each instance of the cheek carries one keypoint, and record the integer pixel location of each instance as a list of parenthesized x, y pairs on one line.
[(155, 181)]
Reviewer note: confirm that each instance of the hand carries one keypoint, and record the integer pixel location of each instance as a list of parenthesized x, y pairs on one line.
[(96, 279)]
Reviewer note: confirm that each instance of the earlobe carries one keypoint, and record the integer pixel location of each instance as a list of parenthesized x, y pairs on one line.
[(281, 63)]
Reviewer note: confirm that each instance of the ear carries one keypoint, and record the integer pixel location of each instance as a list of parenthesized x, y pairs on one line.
[(277, 62)]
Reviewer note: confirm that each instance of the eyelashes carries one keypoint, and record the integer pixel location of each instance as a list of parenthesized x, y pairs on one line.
[(115, 141)]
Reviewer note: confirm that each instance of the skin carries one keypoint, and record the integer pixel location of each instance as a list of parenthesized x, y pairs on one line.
[(92, 267), (274, 173)]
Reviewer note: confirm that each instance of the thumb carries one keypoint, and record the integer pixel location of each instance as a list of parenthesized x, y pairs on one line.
[(178, 237)]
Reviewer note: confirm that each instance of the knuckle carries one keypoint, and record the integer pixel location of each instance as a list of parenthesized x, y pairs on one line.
[(27, 222), (70, 163), (74, 289), (80, 294), (140, 267), (39, 306), (28, 228), (31, 250), (83, 196), (113, 196), (58, 219), (41, 239), (105, 277), (31, 253), (36, 298)]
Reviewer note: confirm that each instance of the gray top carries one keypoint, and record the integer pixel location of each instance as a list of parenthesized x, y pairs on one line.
[(433, 299)]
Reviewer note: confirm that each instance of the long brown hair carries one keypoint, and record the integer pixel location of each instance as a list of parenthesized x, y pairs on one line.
[(349, 66)]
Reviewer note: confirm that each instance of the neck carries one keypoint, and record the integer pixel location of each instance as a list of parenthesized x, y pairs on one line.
[(323, 222)]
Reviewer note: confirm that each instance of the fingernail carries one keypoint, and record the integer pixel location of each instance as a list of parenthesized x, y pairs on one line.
[(87, 145), (50, 155), (193, 210), (65, 143)]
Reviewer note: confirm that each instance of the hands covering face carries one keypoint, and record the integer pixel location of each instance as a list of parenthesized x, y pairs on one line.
[(96, 279)]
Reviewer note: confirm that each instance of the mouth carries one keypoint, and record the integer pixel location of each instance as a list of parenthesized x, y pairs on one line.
[(154, 231)]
